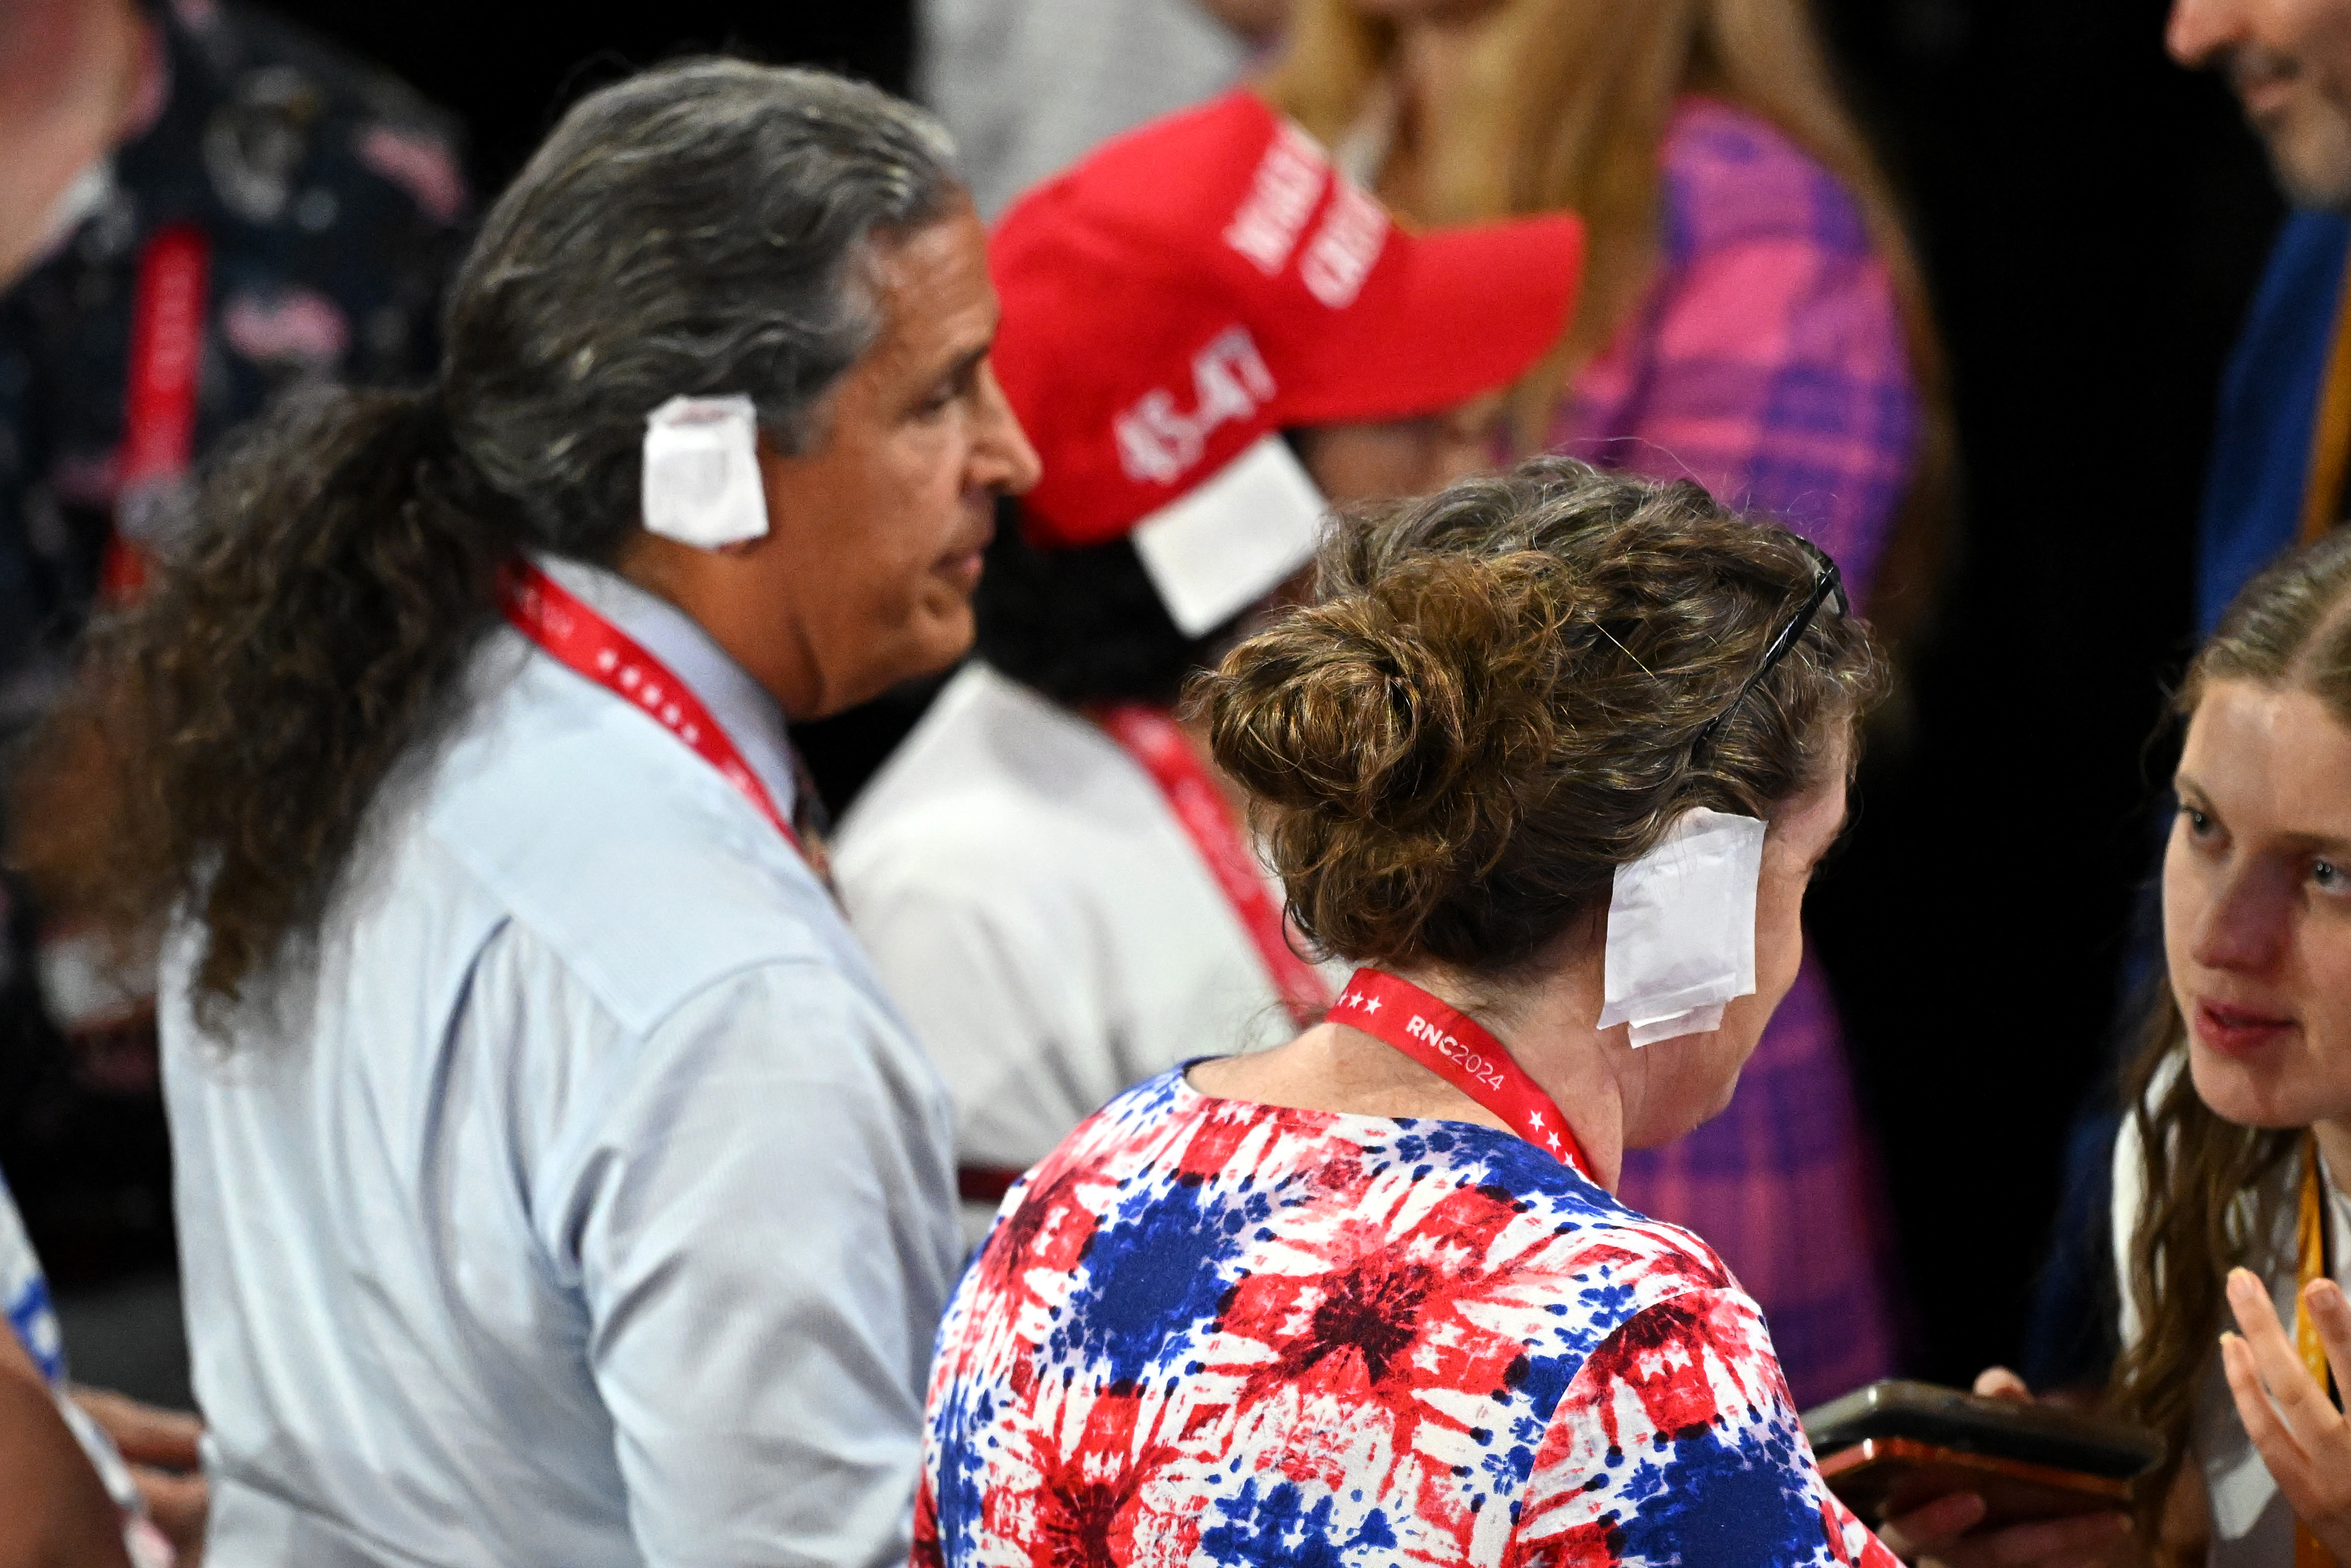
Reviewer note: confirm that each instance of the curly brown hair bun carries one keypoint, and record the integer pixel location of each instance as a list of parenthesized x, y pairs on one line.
[(1498, 700)]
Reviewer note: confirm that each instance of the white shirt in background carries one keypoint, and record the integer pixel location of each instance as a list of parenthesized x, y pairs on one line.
[(2253, 1524), (1029, 87), (1042, 918), (580, 1200)]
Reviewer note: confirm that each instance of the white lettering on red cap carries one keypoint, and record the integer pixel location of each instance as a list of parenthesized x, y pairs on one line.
[(1289, 179), (1158, 443), (1353, 233)]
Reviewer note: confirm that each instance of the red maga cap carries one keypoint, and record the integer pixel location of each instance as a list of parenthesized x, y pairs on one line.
[(1207, 280)]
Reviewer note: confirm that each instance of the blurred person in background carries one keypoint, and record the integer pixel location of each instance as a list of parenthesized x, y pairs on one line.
[(2282, 441), (2232, 1175), (1752, 319), (1029, 87), (1372, 1295), (555, 1181), (199, 206), (1210, 335)]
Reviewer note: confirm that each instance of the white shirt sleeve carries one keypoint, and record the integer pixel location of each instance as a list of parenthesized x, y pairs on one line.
[(759, 1216), (1014, 1018)]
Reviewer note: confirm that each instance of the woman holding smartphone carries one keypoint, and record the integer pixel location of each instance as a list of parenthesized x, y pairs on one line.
[(2230, 1176), (1552, 759)]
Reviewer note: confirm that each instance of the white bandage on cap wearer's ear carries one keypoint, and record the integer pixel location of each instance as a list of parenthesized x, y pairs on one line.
[(1681, 927), (1234, 539), (701, 472)]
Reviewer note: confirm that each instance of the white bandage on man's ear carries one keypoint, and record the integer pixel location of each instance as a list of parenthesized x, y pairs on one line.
[(701, 472), (1681, 927)]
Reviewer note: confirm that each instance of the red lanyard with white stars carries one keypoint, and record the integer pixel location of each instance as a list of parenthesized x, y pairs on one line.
[(556, 619), (1159, 746), (1460, 1050)]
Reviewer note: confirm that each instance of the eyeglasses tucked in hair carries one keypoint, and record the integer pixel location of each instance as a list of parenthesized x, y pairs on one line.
[(1828, 587)]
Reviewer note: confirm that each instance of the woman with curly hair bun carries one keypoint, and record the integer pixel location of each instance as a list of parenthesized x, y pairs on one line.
[(554, 1182), (1552, 759)]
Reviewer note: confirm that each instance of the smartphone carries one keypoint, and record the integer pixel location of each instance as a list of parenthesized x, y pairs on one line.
[(1895, 1446)]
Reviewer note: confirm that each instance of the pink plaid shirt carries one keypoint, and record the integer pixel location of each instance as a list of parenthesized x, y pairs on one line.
[(1767, 362)]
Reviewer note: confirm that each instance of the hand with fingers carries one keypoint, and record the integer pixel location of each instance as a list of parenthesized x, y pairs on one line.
[(1938, 1535), (2302, 1436)]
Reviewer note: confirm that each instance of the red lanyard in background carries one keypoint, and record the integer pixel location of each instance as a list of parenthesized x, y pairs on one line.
[(556, 619), (1462, 1051), (1159, 745), (159, 402)]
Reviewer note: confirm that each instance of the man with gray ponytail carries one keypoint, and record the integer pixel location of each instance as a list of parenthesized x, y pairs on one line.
[(556, 1183)]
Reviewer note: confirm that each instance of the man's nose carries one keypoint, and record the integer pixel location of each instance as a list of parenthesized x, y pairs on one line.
[(1005, 461), (2200, 31), (2248, 927)]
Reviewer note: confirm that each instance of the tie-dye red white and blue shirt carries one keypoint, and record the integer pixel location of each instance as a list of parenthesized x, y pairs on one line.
[(1211, 1332)]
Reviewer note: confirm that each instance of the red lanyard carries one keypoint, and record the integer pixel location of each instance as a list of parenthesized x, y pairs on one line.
[(159, 403), (1155, 742), (1460, 1050), (556, 619)]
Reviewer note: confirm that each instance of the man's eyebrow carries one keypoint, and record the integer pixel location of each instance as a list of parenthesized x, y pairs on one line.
[(952, 377), (965, 363)]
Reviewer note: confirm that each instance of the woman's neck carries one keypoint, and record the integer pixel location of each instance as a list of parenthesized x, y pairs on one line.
[(2334, 1137), (1430, 58), (1447, 116), (1336, 1068)]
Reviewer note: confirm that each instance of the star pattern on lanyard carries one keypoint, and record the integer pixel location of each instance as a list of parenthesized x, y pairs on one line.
[(1458, 1049), (548, 614)]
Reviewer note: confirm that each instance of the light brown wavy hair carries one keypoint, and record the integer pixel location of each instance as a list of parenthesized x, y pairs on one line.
[(1564, 107), (2213, 1197), (1498, 697)]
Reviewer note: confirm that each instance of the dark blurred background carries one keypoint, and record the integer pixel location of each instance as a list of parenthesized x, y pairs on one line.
[(2092, 220)]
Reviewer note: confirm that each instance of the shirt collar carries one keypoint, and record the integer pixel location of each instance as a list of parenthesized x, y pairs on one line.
[(751, 718)]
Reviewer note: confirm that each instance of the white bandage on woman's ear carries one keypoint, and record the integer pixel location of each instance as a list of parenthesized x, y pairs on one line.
[(701, 472), (1681, 927)]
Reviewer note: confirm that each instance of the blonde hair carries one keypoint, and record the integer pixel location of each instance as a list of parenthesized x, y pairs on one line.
[(1577, 96)]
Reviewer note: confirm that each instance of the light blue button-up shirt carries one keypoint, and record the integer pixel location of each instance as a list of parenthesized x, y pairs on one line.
[(579, 1198)]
